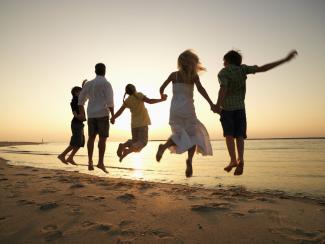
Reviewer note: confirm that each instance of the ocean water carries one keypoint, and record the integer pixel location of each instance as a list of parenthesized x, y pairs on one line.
[(295, 166)]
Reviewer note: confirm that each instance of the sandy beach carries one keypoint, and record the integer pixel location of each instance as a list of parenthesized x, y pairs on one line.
[(42, 205)]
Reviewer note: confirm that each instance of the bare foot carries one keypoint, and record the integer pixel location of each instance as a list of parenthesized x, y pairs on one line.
[(62, 159), (71, 161), (240, 168), (230, 166), (160, 152), (119, 150), (189, 169), (90, 166), (121, 157), (102, 167)]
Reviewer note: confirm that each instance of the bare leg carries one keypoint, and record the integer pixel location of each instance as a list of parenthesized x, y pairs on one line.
[(240, 151), (101, 149), (64, 154), (70, 158), (232, 153), (162, 148), (90, 147), (189, 169)]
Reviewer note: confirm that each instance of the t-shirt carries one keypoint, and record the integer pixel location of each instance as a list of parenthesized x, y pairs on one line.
[(233, 78), (139, 114), (75, 108), (99, 94)]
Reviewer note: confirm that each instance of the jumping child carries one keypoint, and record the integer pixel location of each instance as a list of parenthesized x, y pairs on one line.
[(139, 120)]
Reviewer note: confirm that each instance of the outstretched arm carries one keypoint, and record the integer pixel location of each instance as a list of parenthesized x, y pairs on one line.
[(152, 100), (165, 84), (269, 66), (202, 91), (118, 113)]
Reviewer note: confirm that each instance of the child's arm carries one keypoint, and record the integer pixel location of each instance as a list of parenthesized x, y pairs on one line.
[(82, 115), (84, 82), (269, 66), (165, 84), (153, 101), (118, 113), (221, 97), (202, 91)]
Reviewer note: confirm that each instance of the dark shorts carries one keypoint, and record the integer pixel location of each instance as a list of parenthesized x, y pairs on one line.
[(234, 123), (98, 126), (78, 137)]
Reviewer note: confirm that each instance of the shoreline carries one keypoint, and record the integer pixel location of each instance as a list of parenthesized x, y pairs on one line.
[(13, 143), (42, 205)]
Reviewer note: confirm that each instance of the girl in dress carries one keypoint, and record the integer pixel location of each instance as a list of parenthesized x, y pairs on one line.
[(188, 133)]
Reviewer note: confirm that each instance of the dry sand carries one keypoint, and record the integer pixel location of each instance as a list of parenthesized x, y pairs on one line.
[(42, 205)]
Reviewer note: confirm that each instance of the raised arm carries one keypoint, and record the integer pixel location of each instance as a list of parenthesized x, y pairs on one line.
[(269, 66), (165, 84), (118, 113), (153, 100), (202, 91)]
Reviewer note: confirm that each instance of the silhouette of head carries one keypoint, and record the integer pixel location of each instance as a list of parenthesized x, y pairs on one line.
[(130, 89), (232, 57), (75, 91), (189, 64), (100, 69)]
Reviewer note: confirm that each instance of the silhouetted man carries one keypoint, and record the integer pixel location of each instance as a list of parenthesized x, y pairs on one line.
[(99, 94)]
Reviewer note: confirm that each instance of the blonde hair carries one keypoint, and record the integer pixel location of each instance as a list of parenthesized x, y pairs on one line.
[(189, 64)]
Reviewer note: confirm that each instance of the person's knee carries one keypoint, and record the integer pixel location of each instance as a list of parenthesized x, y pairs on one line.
[(91, 138)]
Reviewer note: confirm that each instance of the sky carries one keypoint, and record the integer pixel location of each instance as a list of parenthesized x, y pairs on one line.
[(47, 47)]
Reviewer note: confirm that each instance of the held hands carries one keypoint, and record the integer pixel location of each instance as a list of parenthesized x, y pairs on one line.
[(216, 109), (112, 120), (291, 55), (163, 97)]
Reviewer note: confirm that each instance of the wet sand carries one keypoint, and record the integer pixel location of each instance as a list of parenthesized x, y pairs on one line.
[(43, 205)]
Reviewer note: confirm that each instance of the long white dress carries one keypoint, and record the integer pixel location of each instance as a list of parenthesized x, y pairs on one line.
[(187, 130)]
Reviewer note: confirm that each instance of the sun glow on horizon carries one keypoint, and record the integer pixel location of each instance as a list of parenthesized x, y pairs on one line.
[(45, 51)]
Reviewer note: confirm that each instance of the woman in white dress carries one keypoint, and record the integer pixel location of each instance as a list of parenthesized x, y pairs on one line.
[(188, 133)]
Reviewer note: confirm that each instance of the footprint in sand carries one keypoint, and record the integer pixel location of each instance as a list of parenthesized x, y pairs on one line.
[(87, 224), (127, 197), (24, 202), (154, 194), (22, 174), (48, 206), (210, 207), (73, 209), (95, 198), (164, 236), (104, 227), (51, 232), (124, 223), (49, 190), (300, 235), (46, 177), (77, 185), (2, 218)]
